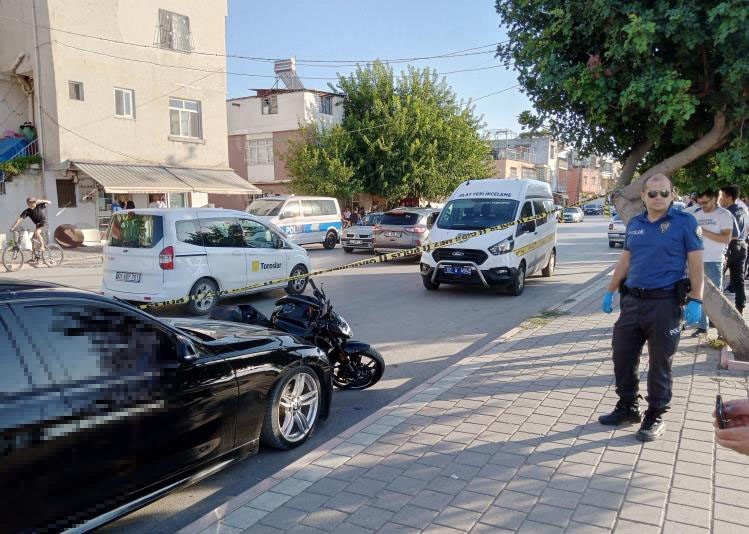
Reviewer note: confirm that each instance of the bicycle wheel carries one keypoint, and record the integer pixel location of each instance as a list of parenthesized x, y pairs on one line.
[(52, 255), (13, 258)]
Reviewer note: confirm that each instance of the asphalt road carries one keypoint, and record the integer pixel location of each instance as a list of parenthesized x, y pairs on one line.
[(418, 332)]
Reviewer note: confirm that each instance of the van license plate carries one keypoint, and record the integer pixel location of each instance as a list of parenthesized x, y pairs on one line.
[(392, 234), (463, 271), (127, 277)]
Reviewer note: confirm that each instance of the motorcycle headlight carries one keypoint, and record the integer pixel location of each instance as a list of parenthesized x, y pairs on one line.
[(343, 325), (503, 247)]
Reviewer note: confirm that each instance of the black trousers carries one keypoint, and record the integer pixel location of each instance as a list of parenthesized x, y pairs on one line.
[(736, 263), (657, 322)]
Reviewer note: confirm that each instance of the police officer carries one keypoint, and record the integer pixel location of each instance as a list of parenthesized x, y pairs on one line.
[(737, 248), (659, 245)]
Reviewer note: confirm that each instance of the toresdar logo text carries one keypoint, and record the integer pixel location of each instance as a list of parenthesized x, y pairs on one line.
[(258, 266)]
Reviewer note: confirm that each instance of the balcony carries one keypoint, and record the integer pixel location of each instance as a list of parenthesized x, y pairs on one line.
[(16, 155)]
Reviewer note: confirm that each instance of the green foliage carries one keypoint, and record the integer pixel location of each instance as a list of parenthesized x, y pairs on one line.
[(606, 75), (18, 165), (400, 137)]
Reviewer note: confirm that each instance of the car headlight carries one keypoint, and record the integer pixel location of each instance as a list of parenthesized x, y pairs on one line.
[(503, 247)]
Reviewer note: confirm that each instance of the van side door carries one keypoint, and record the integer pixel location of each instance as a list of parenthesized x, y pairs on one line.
[(266, 256), (546, 228), (225, 250), (290, 221), (525, 238)]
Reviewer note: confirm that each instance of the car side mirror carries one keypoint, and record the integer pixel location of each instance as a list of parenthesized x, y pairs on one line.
[(186, 350)]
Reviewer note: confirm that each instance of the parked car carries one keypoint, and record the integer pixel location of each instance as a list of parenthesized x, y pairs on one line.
[(593, 209), (153, 255), (616, 231), (403, 228), (105, 408), (359, 236), (573, 214), (305, 220)]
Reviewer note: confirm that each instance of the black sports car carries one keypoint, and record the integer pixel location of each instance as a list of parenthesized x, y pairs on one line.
[(104, 408)]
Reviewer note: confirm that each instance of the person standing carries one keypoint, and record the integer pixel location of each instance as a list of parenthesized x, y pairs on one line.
[(717, 224), (659, 245), (737, 248)]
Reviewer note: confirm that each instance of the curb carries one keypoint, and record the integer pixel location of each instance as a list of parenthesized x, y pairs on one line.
[(220, 512)]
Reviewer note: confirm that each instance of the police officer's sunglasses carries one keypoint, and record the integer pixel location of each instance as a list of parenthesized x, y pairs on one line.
[(665, 193)]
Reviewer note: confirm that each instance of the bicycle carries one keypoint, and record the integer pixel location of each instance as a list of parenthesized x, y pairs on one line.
[(14, 257)]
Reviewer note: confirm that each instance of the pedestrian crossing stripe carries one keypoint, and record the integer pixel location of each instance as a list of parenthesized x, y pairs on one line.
[(380, 258)]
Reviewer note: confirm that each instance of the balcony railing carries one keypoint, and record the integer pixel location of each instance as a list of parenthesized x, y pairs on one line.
[(29, 149)]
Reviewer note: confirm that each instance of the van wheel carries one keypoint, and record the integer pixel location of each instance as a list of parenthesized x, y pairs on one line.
[(431, 286), (348, 250), (518, 283), (297, 287), (331, 239), (549, 269), (205, 303)]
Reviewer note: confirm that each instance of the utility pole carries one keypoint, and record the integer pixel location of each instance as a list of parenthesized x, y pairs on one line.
[(38, 94)]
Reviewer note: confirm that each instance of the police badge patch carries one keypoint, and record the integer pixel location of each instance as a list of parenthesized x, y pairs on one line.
[(664, 227), (698, 231)]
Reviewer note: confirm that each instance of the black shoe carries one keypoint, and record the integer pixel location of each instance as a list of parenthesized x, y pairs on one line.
[(652, 427), (625, 412), (699, 332)]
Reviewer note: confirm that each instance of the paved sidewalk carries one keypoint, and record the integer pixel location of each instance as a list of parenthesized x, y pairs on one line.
[(508, 441)]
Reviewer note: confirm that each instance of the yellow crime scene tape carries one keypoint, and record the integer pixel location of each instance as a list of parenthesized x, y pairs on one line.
[(380, 258)]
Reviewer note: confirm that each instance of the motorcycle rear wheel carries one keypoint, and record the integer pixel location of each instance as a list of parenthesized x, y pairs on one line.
[(368, 367)]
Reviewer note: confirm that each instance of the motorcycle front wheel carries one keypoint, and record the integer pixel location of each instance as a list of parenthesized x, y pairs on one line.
[(364, 369)]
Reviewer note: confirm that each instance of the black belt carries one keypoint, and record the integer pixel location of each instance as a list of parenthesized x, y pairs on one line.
[(661, 293)]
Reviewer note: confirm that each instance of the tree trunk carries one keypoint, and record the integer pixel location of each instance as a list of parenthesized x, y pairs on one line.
[(633, 160), (627, 200)]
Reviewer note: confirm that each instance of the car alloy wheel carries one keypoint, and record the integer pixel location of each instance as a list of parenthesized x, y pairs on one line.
[(297, 287), (298, 407)]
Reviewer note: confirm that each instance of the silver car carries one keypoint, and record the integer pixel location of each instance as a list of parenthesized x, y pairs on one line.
[(403, 228), (573, 215), (359, 236), (616, 232)]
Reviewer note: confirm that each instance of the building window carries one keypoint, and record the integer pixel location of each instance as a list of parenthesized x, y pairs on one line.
[(552, 151), (185, 118), (270, 105), (513, 172), (124, 103), (174, 31), (65, 194), (260, 151), (75, 90), (326, 105)]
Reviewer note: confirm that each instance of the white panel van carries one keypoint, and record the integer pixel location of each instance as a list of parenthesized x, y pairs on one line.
[(159, 254), (501, 259), (305, 220)]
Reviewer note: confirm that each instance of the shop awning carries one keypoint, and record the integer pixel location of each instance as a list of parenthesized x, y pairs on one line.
[(121, 178)]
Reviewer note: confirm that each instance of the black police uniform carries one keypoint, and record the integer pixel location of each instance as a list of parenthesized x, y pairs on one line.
[(737, 254), (650, 309)]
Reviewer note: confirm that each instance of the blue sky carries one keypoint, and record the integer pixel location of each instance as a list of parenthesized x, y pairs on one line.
[(362, 30)]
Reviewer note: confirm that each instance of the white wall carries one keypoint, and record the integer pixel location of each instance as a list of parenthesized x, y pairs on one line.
[(293, 109), (13, 202), (13, 105)]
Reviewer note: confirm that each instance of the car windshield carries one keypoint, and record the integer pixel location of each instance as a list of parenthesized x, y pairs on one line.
[(371, 219), (265, 207), (400, 218), (477, 213), (133, 230), (570, 210)]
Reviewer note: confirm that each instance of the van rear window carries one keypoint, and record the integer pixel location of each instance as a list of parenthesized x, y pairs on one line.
[(399, 218), (133, 230)]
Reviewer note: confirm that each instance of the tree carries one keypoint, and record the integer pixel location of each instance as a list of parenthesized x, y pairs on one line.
[(400, 137), (663, 86)]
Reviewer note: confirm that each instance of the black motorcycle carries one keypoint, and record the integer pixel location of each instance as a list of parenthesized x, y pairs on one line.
[(356, 365)]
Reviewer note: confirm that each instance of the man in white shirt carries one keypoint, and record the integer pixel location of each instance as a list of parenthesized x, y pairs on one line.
[(716, 224)]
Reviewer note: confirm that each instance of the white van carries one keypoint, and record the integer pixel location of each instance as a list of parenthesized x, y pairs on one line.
[(305, 220), (154, 255), (501, 259)]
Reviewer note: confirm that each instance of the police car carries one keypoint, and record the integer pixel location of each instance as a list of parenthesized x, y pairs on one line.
[(155, 255), (499, 259)]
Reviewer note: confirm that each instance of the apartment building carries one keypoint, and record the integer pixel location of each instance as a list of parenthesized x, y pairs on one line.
[(526, 157), (127, 100), (261, 126)]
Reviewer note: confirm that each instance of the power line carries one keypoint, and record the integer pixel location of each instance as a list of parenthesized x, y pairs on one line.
[(495, 93), (229, 73), (339, 62)]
